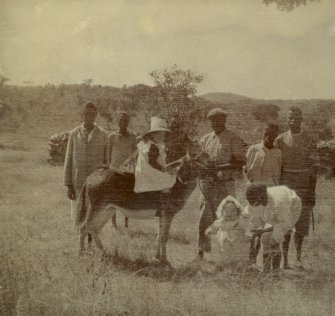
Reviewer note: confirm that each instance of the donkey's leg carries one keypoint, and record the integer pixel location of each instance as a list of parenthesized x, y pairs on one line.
[(89, 241), (126, 222), (114, 220), (159, 238), (82, 235), (97, 240), (165, 232)]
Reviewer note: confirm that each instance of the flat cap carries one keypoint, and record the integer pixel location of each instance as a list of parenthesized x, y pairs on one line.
[(295, 113), (216, 112)]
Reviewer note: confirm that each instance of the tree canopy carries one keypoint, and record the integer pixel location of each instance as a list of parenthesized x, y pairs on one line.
[(288, 5), (177, 101), (266, 112)]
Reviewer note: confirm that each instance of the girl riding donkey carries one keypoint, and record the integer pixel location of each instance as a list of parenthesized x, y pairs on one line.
[(152, 174)]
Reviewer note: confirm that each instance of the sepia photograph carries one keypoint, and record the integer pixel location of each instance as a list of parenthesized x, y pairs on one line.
[(165, 157)]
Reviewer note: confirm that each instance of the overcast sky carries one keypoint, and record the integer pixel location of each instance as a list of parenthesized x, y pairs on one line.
[(242, 46)]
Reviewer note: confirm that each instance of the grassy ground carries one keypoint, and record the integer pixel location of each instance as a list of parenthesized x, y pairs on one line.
[(41, 274)]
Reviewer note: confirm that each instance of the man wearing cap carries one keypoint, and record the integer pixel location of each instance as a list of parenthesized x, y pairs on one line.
[(121, 144), (86, 151), (298, 173), (223, 147), (278, 206)]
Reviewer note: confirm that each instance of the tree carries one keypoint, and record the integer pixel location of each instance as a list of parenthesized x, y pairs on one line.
[(317, 122), (288, 5), (176, 98), (266, 112)]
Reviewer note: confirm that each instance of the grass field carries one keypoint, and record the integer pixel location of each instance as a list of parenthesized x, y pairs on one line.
[(41, 273)]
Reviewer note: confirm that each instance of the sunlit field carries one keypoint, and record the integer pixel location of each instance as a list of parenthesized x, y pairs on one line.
[(42, 274)]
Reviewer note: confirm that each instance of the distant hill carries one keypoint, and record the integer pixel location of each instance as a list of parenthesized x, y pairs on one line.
[(227, 97), (48, 109)]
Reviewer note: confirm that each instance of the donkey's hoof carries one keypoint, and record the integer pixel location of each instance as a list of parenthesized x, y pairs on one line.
[(165, 263)]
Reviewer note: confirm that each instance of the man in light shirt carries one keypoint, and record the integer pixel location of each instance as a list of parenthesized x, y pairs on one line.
[(264, 160), (278, 206), (299, 174), (86, 151), (223, 147)]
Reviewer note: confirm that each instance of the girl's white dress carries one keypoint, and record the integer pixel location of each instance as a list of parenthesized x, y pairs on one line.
[(148, 178), (229, 244)]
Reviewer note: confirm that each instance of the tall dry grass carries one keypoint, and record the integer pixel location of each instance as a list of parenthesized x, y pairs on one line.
[(41, 274)]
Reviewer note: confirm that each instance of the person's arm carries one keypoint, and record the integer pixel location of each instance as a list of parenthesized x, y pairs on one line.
[(109, 149), (238, 154), (68, 164), (277, 168), (250, 162), (153, 155), (105, 157), (214, 227)]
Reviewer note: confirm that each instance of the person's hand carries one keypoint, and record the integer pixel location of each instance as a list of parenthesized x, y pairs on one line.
[(171, 170), (71, 192)]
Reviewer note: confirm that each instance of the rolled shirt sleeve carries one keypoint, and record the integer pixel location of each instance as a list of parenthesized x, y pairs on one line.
[(68, 164), (238, 153)]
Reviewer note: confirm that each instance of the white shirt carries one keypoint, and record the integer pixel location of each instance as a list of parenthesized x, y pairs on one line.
[(282, 211)]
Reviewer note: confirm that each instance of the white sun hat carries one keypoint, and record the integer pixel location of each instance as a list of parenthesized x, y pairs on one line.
[(157, 124)]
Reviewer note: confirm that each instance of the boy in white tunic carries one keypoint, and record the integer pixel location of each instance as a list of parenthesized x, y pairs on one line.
[(278, 206)]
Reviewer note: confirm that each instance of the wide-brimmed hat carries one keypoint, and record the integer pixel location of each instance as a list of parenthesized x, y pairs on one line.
[(157, 124)]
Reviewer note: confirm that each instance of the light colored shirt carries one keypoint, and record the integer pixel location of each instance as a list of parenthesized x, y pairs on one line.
[(224, 147), (148, 178), (119, 148), (263, 165), (282, 211), (86, 151)]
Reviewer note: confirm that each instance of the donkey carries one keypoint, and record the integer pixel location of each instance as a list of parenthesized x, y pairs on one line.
[(107, 191)]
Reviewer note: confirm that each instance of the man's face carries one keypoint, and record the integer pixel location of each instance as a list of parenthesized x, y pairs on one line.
[(89, 116), (268, 139), (294, 124), (218, 123), (123, 122)]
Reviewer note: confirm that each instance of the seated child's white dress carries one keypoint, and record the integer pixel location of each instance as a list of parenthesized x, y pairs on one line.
[(229, 245), (229, 242), (148, 178)]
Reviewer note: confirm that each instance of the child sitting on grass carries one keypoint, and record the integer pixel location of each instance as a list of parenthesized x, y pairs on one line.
[(230, 245)]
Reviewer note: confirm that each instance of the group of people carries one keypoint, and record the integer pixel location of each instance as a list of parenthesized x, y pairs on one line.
[(281, 181), (279, 171)]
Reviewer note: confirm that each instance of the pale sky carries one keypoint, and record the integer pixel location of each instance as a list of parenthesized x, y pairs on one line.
[(242, 46)]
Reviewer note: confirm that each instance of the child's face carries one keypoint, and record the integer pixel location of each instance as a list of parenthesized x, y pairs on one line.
[(158, 137), (230, 212)]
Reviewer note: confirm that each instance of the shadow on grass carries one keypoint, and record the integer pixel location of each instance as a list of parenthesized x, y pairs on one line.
[(232, 275), (178, 238), (140, 266)]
